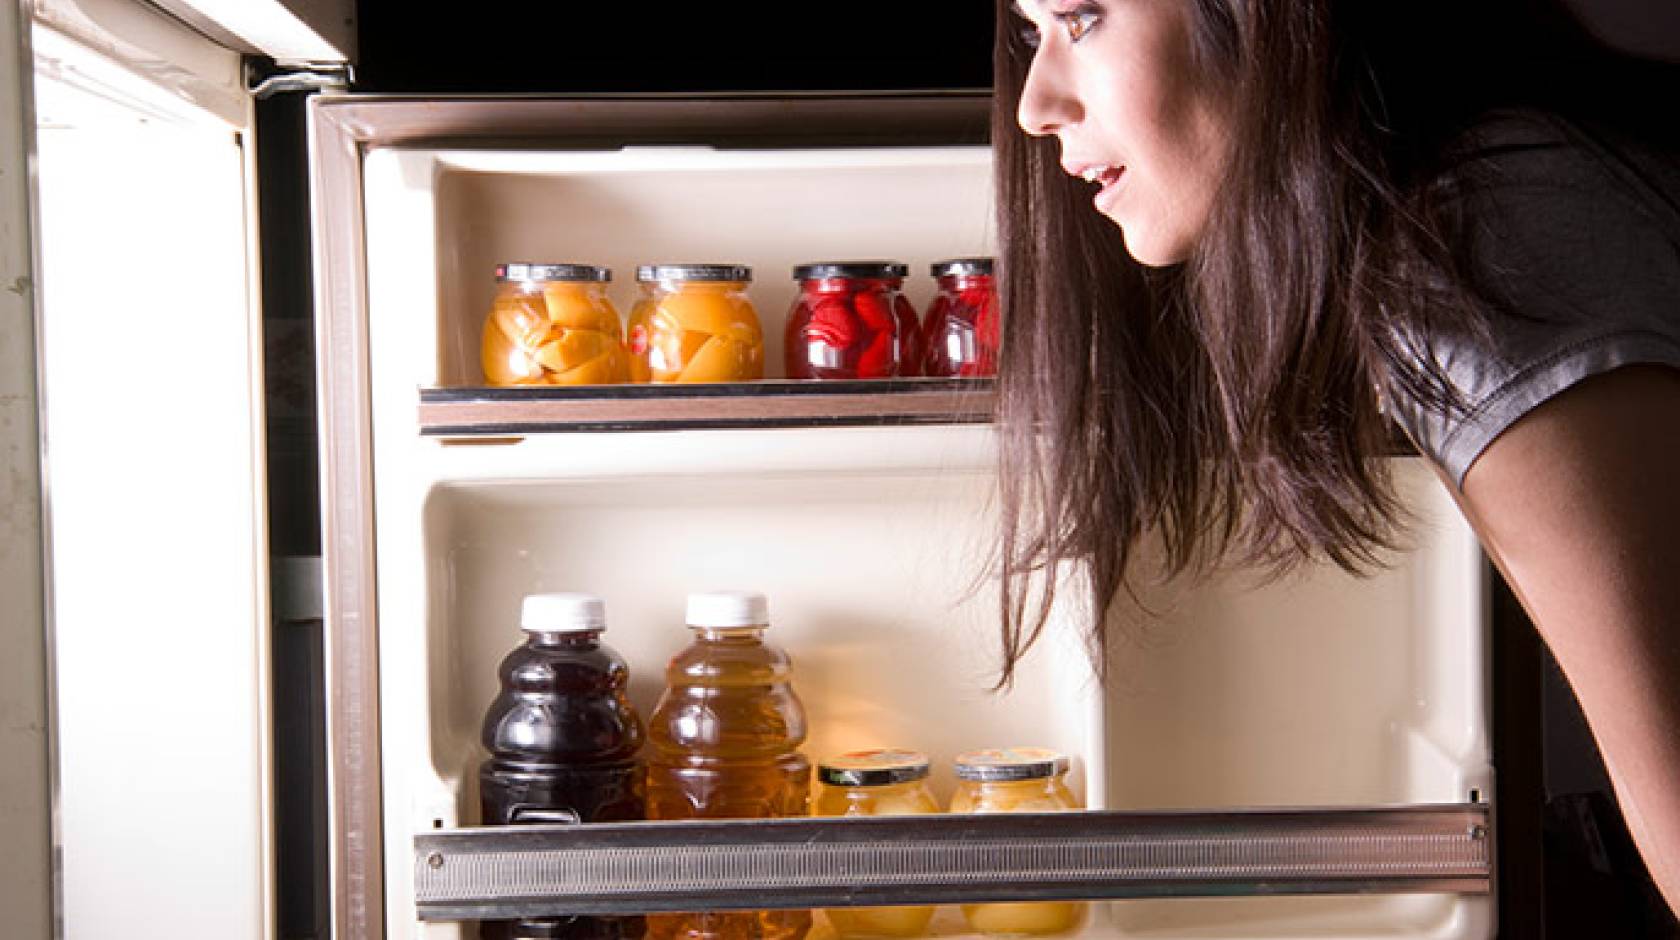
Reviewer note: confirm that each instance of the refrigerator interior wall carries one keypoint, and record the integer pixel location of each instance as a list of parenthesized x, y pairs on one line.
[(1322, 689), (151, 394)]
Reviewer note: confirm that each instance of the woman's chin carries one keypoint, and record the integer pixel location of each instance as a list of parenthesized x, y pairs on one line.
[(1151, 252)]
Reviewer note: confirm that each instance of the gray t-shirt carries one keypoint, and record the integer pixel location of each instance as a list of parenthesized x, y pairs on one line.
[(1575, 238)]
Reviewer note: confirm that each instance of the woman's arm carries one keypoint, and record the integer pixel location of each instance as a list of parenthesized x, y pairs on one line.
[(1578, 503)]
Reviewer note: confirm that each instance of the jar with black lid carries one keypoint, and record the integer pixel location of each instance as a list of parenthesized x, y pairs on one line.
[(961, 325), (848, 321)]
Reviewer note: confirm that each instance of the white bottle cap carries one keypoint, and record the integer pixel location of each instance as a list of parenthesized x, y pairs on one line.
[(562, 613), (728, 609)]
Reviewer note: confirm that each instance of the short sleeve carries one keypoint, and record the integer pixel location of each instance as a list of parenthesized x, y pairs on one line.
[(1574, 242)]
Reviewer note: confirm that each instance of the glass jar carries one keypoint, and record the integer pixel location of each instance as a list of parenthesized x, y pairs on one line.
[(552, 324), (694, 323), (848, 321), (876, 783), (911, 349), (961, 327), (1016, 780)]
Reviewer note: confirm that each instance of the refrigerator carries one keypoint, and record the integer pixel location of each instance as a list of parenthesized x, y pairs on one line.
[(1310, 757)]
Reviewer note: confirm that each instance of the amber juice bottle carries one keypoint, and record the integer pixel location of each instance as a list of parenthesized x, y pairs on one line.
[(724, 745)]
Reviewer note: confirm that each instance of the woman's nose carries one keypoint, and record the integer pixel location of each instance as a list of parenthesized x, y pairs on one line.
[(1047, 103)]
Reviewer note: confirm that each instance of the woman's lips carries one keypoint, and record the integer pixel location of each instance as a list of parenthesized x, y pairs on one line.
[(1108, 180)]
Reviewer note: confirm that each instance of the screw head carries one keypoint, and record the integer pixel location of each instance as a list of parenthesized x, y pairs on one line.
[(435, 860)]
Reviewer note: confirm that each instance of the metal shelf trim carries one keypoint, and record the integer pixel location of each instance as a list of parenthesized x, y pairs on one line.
[(523, 871), (465, 412)]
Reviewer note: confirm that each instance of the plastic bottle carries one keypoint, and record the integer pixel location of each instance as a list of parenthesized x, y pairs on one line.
[(563, 741), (725, 738)]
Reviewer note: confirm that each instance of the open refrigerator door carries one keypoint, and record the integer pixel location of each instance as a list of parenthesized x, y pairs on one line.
[(25, 801), (1320, 736), (138, 130)]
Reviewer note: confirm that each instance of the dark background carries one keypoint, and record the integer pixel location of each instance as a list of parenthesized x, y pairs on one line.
[(665, 47)]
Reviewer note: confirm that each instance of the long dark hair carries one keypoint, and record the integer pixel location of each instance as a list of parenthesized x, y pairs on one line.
[(1233, 406)]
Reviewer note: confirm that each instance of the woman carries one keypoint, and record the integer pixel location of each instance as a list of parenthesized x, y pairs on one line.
[(1267, 229)]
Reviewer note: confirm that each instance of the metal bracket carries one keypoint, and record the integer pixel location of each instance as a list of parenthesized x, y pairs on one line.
[(317, 78)]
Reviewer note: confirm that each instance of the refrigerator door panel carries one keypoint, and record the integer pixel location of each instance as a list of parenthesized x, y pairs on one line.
[(291, 32), (1319, 690), (25, 805), (152, 410)]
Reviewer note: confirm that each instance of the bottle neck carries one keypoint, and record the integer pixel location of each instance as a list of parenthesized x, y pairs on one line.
[(747, 634), (566, 638)]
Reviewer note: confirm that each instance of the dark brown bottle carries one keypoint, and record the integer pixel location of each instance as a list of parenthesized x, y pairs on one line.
[(564, 743)]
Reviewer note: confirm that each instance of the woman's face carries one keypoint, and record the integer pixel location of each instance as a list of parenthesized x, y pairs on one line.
[(1113, 81)]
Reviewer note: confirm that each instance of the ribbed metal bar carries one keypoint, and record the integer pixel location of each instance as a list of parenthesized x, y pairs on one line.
[(466, 412), (521, 871)]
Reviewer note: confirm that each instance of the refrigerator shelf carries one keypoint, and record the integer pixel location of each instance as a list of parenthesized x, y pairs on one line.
[(501, 872), (782, 403)]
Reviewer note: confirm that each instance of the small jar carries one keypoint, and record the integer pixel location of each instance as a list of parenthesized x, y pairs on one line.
[(876, 783), (849, 321), (552, 324), (1016, 780), (694, 323), (961, 326)]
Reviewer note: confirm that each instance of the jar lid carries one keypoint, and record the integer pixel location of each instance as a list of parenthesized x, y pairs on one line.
[(562, 613), (961, 267), (877, 767), (820, 270), (693, 272), (728, 609), (519, 271), (1011, 763)]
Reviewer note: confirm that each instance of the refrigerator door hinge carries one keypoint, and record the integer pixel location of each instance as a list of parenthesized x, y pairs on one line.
[(266, 82)]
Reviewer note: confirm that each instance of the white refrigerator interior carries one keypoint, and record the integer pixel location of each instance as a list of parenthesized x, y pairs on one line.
[(152, 417), (1320, 690)]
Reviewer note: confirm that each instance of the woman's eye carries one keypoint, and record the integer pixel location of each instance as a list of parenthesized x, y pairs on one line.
[(1029, 35), (1078, 23)]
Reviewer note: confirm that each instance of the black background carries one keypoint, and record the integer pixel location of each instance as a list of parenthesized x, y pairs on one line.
[(672, 47)]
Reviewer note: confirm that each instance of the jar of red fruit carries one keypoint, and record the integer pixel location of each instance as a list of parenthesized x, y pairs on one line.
[(961, 326), (849, 321)]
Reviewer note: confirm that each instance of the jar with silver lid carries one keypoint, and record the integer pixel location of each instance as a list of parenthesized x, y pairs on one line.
[(695, 323), (1016, 780), (876, 782), (552, 324)]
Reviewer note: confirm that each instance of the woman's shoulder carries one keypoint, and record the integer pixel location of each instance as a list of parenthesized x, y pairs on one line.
[(1537, 153), (1568, 233), (1559, 215)]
